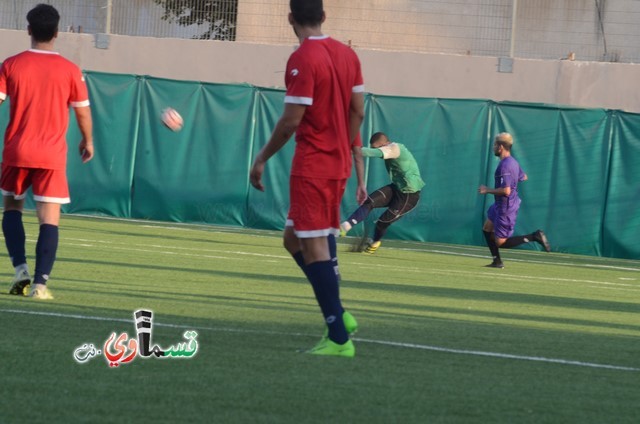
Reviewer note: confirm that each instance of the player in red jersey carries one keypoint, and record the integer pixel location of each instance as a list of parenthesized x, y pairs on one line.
[(324, 107), (41, 85)]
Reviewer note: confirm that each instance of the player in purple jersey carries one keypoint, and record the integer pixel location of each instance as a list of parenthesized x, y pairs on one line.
[(501, 216)]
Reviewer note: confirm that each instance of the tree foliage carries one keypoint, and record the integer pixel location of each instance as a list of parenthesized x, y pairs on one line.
[(220, 15)]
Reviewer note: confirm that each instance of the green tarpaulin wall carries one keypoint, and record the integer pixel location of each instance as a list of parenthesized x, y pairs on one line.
[(583, 164)]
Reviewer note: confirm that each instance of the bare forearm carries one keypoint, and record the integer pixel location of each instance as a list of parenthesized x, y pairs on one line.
[(85, 123), (359, 163), (281, 134), (502, 191), (356, 114)]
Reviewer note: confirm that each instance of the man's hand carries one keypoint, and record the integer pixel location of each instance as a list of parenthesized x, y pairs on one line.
[(483, 189), (86, 150), (255, 175)]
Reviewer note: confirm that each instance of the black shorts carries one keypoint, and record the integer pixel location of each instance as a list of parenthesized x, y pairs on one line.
[(397, 202)]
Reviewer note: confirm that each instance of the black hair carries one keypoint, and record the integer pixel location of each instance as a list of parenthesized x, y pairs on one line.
[(376, 137), (43, 21), (307, 12)]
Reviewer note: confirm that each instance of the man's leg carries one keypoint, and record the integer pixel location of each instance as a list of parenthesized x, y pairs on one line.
[(322, 276), (400, 205), (47, 245), (292, 244), (487, 230), (538, 236), (378, 199), (14, 237)]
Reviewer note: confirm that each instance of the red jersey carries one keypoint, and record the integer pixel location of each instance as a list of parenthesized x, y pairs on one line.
[(322, 74), (41, 86)]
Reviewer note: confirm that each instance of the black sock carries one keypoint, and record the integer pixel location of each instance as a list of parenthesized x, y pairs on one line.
[(14, 236), (379, 232), (493, 247), (45, 252), (333, 253), (324, 281), (517, 241), (299, 259)]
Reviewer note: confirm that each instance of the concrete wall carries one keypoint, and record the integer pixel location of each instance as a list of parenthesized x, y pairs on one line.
[(582, 84)]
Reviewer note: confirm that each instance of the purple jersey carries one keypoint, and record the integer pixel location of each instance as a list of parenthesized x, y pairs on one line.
[(508, 174)]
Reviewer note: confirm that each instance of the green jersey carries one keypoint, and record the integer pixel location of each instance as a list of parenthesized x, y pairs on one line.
[(401, 166)]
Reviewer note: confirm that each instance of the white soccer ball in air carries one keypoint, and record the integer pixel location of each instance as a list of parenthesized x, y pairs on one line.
[(172, 119)]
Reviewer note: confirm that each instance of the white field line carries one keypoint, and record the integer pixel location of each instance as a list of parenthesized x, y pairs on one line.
[(238, 256), (371, 341), (531, 261), (391, 267), (239, 230), (489, 275)]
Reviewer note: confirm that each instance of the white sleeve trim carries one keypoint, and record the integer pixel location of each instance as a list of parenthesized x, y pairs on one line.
[(3, 95), (390, 151), (83, 103), (358, 89), (298, 100)]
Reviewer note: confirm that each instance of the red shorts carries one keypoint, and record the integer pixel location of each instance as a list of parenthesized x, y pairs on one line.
[(48, 185), (315, 206)]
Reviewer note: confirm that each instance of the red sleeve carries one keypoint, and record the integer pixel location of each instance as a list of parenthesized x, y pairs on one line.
[(79, 94), (299, 81)]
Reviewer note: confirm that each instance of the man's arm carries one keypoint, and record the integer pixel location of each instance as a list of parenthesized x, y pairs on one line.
[(361, 191), (501, 191), (356, 114), (285, 128), (85, 124)]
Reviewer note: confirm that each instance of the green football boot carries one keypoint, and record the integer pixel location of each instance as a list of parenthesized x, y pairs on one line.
[(350, 324), (328, 348)]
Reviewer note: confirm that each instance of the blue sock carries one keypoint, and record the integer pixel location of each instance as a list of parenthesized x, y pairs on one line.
[(299, 259), (14, 236), (324, 281), (45, 252), (333, 253), (360, 214)]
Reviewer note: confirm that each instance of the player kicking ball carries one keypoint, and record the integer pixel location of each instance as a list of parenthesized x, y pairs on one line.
[(400, 197)]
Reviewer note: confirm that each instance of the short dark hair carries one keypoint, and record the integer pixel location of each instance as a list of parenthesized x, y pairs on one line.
[(376, 137), (43, 21), (307, 12)]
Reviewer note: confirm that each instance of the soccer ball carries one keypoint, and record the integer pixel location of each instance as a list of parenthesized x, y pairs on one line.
[(172, 119)]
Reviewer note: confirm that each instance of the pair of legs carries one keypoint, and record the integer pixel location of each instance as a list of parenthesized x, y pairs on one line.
[(315, 215), (500, 236), (50, 191), (317, 257), (15, 237), (396, 202)]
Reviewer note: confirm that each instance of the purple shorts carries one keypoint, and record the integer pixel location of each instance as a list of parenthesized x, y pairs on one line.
[(503, 222)]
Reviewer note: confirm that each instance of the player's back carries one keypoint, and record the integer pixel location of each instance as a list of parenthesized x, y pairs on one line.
[(323, 135), (41, 86)]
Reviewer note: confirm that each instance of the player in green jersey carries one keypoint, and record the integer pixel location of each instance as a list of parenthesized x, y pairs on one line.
[(399, 197)]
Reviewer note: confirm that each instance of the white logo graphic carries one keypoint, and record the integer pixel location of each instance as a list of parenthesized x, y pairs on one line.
[(331, 319), (294, 72)]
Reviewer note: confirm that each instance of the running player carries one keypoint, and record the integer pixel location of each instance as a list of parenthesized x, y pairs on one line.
[(501, 220)]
